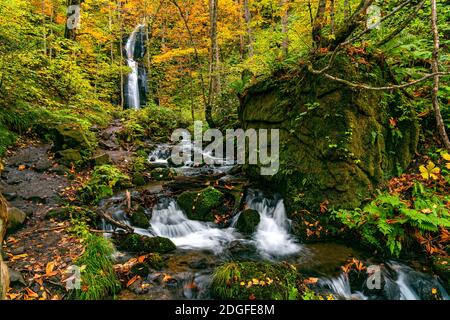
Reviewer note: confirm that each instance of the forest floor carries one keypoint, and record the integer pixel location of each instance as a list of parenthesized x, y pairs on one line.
[(42, 249)]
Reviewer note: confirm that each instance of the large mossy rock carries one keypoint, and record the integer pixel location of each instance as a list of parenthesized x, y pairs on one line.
[(336, 143), (4, 275), (248, 221), (198, 205), (142, 244), (256, 280)]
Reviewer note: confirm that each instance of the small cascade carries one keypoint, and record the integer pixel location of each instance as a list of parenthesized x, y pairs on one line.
[(397, 282), (161, 156), (170, 222), (136, 82), (272, 233)]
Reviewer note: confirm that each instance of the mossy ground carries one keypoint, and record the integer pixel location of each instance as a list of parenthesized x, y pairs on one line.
[(256, 280)]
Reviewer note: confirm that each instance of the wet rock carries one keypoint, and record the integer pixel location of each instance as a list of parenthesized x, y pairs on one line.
[(247, 221), (10, 195), (16, 219), (138, 243), (441, 265), (199, 205), (140, 269), (16, 277)]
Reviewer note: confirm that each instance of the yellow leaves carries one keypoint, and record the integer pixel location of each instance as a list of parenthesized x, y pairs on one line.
[(49, 269), (330, 297), (21, 167), (433, 291), (430, 171), (19, 257)]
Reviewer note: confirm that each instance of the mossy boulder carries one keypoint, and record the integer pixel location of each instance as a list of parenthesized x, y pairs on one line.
[(69, 156), (71, 135), (138, 243), (337, 144), (256, 280), (162, 174), (139, 218), (247, 221), (198, 205)]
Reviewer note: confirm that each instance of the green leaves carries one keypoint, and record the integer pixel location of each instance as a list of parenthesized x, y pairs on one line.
[(388, 220)]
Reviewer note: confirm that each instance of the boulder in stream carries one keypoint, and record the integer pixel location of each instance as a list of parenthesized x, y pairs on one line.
[(137, 243), (198, 205), (248, 221)]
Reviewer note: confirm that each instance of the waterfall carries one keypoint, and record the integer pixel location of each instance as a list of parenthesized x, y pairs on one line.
[(272, 233), (136, 84), (398, 282), (170, 222)]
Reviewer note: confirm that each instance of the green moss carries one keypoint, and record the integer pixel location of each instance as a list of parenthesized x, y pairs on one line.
[(7, 138), (248, 220), (163, 174), (242, 280), (140, 219), (199, 205), (138, 243), (98, 279), (104, 181)]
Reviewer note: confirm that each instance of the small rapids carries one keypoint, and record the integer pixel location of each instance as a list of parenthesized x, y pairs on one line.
[(172, 223), (272, 233), (397, 282)]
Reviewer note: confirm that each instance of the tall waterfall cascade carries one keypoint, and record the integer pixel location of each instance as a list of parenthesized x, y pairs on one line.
[(135, 87)]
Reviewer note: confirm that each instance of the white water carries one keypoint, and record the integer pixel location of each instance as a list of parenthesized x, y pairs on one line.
[(172, 223), (133, 98), (272, 233), (403, 287)]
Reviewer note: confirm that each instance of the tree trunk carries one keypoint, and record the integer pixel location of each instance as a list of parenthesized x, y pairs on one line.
[(318, 24), (284, 26), (332, 16), (44, 30), (248, 19), (435, 68), (214, 78)]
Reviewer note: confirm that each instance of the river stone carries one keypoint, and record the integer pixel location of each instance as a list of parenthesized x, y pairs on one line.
[(248, 221), (16, 219), (198, 204), (336, 144), (138, 243)]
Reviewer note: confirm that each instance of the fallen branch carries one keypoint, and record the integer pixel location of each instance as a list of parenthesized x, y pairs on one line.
[(114, 222), (393, 87)]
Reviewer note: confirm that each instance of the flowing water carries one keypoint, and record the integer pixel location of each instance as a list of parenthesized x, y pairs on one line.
[(133, 100), (202, 246)]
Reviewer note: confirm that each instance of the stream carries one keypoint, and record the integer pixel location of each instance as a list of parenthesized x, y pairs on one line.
[(202, 246)]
